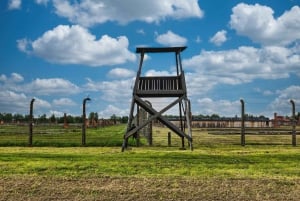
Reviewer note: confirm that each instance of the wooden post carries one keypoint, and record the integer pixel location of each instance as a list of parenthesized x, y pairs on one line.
[(83, 139), (137, 135), (30, 122), (169, 139), (189, 121), (65, 121), (150, 138), (150, 134), (182, 143), (294, 143), (243, 123)]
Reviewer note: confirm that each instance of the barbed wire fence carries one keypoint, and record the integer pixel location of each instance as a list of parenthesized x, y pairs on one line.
[(282, 129)]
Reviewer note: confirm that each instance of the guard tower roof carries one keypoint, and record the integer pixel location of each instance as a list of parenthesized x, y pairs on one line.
[(159, 49)]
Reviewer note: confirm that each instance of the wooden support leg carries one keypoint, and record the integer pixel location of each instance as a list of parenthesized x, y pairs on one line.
[(125, 144), (169, 139), (182, 143)]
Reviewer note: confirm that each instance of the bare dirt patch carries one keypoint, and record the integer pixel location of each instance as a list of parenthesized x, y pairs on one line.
[(132, 188)]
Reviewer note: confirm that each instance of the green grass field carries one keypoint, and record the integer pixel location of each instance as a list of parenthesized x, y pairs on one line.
[(267, 168), (57, 136)]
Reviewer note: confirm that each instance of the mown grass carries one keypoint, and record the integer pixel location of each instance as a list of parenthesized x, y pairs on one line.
[(225, 162), (152, 173), (218, 169), (57, 136)]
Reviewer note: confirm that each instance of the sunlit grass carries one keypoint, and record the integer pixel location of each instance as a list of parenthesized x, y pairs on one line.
[(223, 162), (58, 136), (267, 168)]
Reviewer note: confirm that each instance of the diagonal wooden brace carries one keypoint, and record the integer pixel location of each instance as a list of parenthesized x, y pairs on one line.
[(164, 120), (152, 111), (159, 116)]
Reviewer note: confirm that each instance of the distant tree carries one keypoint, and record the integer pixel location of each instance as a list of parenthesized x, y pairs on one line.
[(96, 116), (78, 119), (42, 118), (7, 117), (60, 120), (26, 118), (18, 118), (114, 118), (70, 119), (93, 116), (124, 119), (52, 119), (214, 116)]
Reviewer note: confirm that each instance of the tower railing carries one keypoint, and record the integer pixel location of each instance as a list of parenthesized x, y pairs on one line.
[(159, 86)]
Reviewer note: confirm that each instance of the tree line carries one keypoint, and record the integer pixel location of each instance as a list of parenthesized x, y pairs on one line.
[(218, 117), (93, 116), (20, 118)]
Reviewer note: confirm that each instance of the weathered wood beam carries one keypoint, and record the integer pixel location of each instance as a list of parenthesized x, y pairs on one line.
[(150, 110), (157, 115)]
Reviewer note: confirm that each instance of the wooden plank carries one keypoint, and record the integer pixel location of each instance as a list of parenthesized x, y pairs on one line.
[(159, 49), (160, 93), (149, 109), (163, 119)]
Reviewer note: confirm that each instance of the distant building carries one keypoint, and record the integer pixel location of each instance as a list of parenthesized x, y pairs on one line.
[(280, 121), (234, 122), (226, 122)]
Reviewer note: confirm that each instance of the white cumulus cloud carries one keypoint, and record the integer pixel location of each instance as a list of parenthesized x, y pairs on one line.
[(118, 73), (51, 86), (12, 82), (63, 102), (76, 45), (3, 78), (44, 2), (111, 109), (237, 66), (219, 38), (13, 102), (281, 104), (115, 91), (56, 113), (171, 39), (245, 64), (16, 77), (14, 4), (259, 24), (40, 103), (88, 13), (159, 73), (225, 107)]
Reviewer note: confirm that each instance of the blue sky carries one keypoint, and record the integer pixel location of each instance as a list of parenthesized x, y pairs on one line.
[(61, 51)]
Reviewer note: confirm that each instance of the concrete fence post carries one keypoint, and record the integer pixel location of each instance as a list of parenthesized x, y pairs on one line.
[(243, 142), (83, 139), (294, 143), (30, 122)]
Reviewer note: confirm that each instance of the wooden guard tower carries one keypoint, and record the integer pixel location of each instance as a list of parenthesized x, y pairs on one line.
[(161, 87)]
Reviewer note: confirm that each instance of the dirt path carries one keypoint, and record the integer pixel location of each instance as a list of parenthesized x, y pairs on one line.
[(120, 188)]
